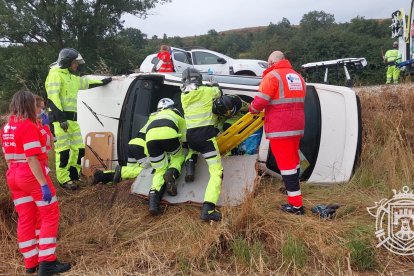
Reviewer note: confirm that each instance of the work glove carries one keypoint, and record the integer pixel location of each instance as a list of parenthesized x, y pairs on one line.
[(46, 193), (64, 125), (106, 80)]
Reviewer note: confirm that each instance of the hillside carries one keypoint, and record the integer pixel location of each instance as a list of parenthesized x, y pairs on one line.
[(101, 236)]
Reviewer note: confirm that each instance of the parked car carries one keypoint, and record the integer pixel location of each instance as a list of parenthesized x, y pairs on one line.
[(208, 62)]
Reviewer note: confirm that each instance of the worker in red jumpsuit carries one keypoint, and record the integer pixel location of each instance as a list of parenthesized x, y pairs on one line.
[(282, 95), (165, 63), (31, 188)]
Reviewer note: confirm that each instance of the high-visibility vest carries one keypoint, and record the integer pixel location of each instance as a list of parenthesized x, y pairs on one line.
[(62, 88), (282, 95), (198, 105)]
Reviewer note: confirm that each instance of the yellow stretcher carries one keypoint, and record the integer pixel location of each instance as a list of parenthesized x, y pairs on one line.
[(239, 132)]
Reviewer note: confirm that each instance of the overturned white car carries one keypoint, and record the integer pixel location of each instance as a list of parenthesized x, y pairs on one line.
[(331, 143)]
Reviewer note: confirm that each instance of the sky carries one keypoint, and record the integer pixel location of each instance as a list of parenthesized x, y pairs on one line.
[(197, 17)]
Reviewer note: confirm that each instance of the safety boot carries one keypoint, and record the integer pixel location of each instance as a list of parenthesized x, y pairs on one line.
[(102, 177), (169, 178), (32, 270), (51, 268), (209, 212), (70, 185), (154, 202), (117, 174), (292, 209), (189, 170)]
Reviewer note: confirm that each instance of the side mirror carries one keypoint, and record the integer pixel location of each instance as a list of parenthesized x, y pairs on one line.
[(154, 60), (221, 60)]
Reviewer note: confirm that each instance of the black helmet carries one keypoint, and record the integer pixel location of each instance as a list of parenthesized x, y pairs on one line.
[(67, 55), (226, 105), (192, 75)]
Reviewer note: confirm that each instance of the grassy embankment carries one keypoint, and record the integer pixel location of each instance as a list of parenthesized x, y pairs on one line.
[(120, 238)]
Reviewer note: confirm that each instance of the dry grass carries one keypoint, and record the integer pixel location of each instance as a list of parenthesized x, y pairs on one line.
[(101, 238)]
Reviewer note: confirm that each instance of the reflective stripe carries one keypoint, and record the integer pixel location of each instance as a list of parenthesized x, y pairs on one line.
[(132, 160), (254, 109), (30, 253), (176, 150), (69, 108), (43, 132), (160, 164), (141, 160), (210, 154), (281, 88), (199, 124), (47, 241), (288, 172), (284, 133), (264, 96), (16, 156), (27, 243), (44, 149), (69, 100), (50, 84), (213, 161), (197, 116), (287, 100), (41, 203), (47, 252), (166, 116), (62, 137), (19, 161), (22, 200), (294, 193), (52, 92), (31, 145), (157, 158)]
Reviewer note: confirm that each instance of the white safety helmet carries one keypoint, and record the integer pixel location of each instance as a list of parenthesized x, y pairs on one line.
[(165, 103)]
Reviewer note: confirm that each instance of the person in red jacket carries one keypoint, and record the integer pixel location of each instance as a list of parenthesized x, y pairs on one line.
[(32, 190), (165, 63), (45, 129), (282, 95)]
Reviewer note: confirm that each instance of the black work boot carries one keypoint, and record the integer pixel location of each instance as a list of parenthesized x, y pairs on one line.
[(51, 268), (292, 209), (117, 174), (70, 185), (154, 202), (32, 270), (169, 177), (189, 170), (102, 177), (209, 212)]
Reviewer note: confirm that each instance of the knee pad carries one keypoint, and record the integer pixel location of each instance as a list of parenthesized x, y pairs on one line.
[(63, 158)]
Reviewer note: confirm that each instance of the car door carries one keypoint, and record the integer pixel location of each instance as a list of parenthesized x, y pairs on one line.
[(210, 63), (181, 60)]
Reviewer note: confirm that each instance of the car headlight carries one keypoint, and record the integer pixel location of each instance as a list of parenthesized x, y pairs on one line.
[(263, 65)]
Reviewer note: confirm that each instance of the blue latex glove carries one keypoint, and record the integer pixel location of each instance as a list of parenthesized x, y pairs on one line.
[(46, 193)]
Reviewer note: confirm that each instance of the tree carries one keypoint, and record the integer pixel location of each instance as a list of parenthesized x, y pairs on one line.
[(316, 19), (58, 23)]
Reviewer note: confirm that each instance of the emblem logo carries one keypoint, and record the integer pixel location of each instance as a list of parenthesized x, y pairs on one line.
[(395, 222)]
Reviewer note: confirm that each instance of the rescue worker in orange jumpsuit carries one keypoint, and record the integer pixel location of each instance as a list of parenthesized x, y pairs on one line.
[(32, 190), (282, 95), (165, 63)]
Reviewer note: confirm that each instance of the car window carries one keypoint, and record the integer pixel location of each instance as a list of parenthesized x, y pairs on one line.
[(181, 57), (154, 60), (201, 58)]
